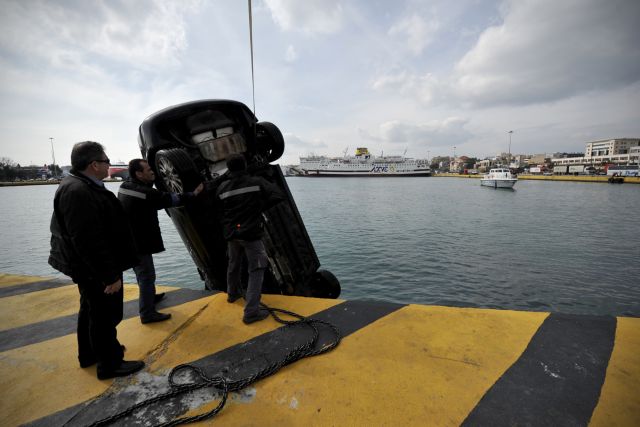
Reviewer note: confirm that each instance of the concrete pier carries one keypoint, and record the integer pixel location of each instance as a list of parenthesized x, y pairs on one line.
[(396, 364)]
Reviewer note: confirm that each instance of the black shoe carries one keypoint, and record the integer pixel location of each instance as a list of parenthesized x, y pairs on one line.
[(125, 368), (261, 315), (233, 298), (155, 317), (158, 297)]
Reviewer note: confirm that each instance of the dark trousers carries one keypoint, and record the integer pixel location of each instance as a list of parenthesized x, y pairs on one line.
[(146, 277), (258, 261), (97, 320)]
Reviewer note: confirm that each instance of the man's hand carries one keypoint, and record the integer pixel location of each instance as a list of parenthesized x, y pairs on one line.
[(114, 287), (198, 189)]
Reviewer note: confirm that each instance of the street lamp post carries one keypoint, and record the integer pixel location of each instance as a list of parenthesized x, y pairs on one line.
[(53, 158), (510, 132), (454, 158)]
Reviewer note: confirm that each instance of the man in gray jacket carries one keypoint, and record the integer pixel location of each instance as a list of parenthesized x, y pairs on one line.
[(243, 198), (141, 202)]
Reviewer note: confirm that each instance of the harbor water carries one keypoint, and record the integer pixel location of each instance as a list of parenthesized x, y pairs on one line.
[(545, 246)]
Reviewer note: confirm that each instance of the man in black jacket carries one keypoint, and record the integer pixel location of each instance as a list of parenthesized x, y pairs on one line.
[(91, 242), (243, 199), (141, 202)]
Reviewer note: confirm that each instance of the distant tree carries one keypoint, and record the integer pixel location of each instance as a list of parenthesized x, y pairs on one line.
[(8, 169), (470, 163), (436, 161)]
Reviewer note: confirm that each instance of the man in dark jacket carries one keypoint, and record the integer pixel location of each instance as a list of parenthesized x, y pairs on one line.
[(141, 202), (243, 199), (91, 242)]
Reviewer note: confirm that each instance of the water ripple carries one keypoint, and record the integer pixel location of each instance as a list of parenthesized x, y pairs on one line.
[(548, 246)]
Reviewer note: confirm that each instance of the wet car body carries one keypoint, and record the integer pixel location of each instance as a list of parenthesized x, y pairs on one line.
[(187, 144)]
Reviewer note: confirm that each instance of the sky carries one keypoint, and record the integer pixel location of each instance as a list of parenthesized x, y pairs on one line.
[(421, 77)]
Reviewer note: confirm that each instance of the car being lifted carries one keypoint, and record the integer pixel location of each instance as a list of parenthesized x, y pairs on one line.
[(188, 144)]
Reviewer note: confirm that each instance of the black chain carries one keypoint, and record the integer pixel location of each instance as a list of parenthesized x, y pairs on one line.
[(225, 385)]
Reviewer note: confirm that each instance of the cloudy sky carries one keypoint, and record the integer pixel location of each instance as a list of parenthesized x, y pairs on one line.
[(423, 76)]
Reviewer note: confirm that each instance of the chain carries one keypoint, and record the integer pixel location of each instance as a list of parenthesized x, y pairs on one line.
[(224, 385)]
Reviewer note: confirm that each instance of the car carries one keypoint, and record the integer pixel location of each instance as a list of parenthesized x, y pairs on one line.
[(187, 144)]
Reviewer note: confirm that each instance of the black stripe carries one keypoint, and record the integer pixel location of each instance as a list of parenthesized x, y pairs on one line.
[(26, 288), (238, 361), (61, 326), (558, 378)]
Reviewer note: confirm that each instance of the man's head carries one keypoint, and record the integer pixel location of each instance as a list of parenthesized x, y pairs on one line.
[(236, 163), (89, 158), (140, 170)]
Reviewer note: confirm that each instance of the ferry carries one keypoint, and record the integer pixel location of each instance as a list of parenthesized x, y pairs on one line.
[(363, 164), (499, 178)]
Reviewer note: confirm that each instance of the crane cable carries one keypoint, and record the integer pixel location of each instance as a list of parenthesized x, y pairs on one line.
[(253, 83)]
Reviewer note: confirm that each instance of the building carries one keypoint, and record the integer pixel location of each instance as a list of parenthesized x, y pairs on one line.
[(607, 147), (620, 151)]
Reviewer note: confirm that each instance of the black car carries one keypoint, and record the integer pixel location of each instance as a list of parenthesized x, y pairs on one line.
[(187, 144)]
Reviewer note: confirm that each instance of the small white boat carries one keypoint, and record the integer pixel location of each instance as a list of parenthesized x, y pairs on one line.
[(499, 178)]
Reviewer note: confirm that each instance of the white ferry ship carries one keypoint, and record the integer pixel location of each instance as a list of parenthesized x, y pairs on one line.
[(363, 164)]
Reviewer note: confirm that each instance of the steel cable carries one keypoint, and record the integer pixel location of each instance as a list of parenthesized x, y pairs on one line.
[(225, 385)]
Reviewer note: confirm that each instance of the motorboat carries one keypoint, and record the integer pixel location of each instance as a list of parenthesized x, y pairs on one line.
[(499, 178)]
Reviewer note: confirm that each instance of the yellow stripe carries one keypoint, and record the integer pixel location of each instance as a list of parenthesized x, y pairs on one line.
[(7, 280), (28, 374), (33, 307), (619, 403), (417, 366), (44, 378), (220, 326)]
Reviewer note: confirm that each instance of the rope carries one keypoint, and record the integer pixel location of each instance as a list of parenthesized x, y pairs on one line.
[(225, 385), (253, 84)]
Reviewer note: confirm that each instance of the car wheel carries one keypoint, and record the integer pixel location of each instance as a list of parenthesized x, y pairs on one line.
[(269, 141), (324, 285), (176, 171)]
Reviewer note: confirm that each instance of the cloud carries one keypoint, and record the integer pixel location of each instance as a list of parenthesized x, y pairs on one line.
[(302, 145), (549, 50), (427, 88), (449, 131), (290, 55), (140, 34), (309, 16), (543, 51), (419, 34)]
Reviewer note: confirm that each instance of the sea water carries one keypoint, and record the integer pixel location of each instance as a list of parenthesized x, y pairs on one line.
[(545, 246)]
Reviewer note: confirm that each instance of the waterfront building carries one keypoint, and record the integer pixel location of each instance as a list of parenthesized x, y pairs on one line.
[(608, 147), (619, 151)]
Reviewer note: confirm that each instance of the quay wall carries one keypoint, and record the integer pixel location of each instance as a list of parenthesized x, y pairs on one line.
[(572, 178), (440, 365)]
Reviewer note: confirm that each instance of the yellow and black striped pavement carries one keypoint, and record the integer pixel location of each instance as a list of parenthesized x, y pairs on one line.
[(396, 365)]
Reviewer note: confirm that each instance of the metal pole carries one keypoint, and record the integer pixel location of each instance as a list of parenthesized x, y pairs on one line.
[(454, 157), (53, 157), (510, 132)]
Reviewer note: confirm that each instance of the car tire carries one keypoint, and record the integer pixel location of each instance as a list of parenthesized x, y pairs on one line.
[(325, 285), (269, 141), (176, 171)]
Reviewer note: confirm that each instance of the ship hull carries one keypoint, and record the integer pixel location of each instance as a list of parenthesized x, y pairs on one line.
[(363, 164), (362, 174)]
